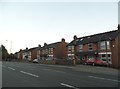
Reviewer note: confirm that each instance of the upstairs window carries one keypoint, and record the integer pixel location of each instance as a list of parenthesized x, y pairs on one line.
[(102, 45), (108, 44), (46, 51), (50, 50), (105, 45), (70, 48), (90, 46), (80, 48)]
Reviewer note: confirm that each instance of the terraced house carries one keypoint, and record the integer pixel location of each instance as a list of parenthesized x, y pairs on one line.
[(19, 55), (53, 51), (100, 46), (32, 53)]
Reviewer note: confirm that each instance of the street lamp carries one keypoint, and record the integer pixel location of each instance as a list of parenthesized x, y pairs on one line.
[(10, 45)]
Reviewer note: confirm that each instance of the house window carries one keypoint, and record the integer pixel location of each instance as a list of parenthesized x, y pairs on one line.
[(103, 57), (50, 50), (108, 44), (80, 48), (46, 51), (102, 45), (90, 46), (70, 48), (109, 57)]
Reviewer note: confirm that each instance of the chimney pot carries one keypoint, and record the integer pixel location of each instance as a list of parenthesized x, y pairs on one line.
[(75, 37), (63, 40), (45, 44), (39, 46)]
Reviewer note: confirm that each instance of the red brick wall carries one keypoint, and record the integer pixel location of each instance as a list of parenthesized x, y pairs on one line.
[(61, 50), (77, 48), (116, 52), (20, 55), (34, 54), (85, 47), (95, 46)]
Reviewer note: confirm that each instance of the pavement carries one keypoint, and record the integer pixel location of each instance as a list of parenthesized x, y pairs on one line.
[(90, 68), (18, 74)]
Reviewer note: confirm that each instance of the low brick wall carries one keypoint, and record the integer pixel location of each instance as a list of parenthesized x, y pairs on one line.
[(64, 62), (47, 62), (78, 62)]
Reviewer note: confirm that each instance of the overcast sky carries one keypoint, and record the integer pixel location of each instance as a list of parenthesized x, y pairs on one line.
[(33, 22)]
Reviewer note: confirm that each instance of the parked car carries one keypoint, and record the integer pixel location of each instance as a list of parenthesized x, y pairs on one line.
[(90, 61), (35, 61), (100, 62), (96, 62)]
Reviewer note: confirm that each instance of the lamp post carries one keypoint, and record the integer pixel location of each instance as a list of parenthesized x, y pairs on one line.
[(10, 55), (10, 46)]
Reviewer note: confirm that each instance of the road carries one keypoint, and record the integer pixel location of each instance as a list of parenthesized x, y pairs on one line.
[(17, 74)]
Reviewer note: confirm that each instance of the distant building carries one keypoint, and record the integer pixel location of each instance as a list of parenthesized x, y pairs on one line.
[(53, 51), (32, 53)]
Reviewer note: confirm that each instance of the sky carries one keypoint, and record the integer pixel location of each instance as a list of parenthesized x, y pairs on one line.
[(28, 23)]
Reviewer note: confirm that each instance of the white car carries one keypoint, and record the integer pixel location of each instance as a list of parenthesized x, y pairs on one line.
[(35, 61)]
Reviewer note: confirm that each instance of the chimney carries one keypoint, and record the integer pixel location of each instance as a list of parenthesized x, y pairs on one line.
[(62, 40), (45, 44), (39, 46), (75, 37), (26, 48)]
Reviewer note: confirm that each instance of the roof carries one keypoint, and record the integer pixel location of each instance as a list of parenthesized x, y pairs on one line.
[(32, 48), (111, 35), (52, 45)]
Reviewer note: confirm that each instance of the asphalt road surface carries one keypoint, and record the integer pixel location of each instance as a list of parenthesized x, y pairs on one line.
[(17, 74)]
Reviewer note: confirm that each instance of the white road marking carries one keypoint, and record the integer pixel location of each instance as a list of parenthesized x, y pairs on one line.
[(11, 68), (63, 84), (55, 70), (104, 78), (29, 74)]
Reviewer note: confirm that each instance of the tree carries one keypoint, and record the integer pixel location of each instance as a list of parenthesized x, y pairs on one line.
[(4, 52)]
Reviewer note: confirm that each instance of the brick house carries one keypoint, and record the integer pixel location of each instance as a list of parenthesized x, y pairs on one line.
[(118, 49), (97, 46), (32, 53), (19, 55), (52, 51)]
